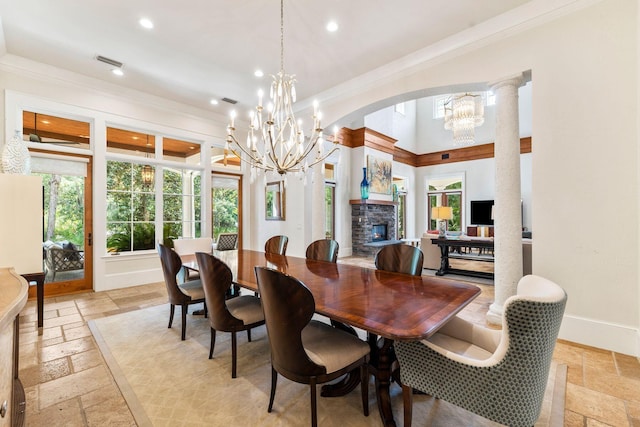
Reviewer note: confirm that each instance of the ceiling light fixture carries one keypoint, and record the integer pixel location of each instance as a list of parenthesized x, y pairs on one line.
[(258, 73), (278, 143), (332, 26), (118, 72), (146, 23), (462, 114), (214, 102)]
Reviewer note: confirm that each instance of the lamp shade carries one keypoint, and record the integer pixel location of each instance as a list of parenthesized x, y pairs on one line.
[(442, 212)]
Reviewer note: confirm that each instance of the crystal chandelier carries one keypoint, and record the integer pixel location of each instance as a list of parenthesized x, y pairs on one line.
[(462, 114), (276, 142)]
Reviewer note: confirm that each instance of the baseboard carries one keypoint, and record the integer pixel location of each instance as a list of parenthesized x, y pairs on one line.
[(609, 336), (128, 279)]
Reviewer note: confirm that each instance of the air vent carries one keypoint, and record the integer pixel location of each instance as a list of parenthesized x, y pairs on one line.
[(109, 61), (230, 101)]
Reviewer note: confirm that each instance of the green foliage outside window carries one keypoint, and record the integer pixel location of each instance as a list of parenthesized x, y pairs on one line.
[(225, 210)]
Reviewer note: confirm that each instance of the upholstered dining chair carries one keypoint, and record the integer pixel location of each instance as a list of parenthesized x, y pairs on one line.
[(184, 294), (400, 258), (191, 246), (499, 375), (227, 241), (323, 250), (241, 313), (276, 245), (303, 350)]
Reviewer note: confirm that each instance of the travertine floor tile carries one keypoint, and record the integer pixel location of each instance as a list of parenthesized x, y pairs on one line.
[(67, 348), (596, 405), (66, 413), (74, 385), (45, 371)]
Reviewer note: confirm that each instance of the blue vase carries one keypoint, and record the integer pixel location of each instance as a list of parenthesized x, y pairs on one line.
[(364, 185)]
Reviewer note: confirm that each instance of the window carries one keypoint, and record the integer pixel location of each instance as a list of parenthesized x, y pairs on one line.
[(130, 208), (446, 191), (329, 201), (399, 108), (181, 204)]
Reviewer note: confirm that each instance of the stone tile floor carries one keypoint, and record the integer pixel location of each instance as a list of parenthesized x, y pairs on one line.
[(67, 382)]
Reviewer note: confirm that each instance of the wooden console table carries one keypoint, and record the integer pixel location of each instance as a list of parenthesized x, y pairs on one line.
[(445, 244), (38, 278)]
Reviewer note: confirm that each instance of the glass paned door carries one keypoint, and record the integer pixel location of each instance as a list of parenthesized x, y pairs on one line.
[(226, 205), (67, 237)]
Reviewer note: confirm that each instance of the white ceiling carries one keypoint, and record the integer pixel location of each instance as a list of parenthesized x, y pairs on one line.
[(203, 49)]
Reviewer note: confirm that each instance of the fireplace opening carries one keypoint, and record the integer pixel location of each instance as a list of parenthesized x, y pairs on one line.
[(379, 232)]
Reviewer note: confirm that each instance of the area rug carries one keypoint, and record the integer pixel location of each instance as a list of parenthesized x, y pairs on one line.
[(166, 381)]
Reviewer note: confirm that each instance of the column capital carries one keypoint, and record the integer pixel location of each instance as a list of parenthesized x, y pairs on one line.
[(516, 80)]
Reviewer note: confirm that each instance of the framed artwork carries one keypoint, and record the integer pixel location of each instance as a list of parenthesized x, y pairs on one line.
[(379, 171)]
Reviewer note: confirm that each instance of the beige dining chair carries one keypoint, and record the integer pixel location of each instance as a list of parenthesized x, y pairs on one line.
[(499, 375), (303, 350), (241, 313), (184, 294), (189, 246)]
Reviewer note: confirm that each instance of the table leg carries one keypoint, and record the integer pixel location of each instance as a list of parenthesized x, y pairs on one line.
[(39, 279), (383, 382), (444, 260)]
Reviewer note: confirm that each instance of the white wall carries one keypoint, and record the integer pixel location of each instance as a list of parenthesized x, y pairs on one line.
[(584, 69), (585, 154)]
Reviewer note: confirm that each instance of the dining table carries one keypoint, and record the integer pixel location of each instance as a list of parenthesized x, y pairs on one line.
[(388, 306)]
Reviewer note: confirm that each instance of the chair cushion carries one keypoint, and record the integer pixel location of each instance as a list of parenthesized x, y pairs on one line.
[(246, 308), (193, 288), (330, 347), (460, 347)]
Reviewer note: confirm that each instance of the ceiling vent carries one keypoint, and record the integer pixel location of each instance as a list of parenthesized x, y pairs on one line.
[(109, 61), (230, 101)]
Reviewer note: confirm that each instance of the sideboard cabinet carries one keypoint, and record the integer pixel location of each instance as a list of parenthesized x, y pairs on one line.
[(13, 297)]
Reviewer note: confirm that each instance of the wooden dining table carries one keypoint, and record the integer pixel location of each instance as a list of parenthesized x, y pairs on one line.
[(388, 306)]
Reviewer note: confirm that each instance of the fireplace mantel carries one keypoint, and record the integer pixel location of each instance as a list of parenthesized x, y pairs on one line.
[(372, 202)]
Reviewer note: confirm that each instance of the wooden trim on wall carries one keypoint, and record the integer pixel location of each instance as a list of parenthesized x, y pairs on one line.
[(365, 137), (475, 152)]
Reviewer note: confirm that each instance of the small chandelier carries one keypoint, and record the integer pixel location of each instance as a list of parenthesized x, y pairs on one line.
[(147, 172), (277, 143), (462, 114)]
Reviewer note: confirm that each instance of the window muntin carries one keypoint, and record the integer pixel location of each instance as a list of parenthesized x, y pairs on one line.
[(181, 203), (130, 208)]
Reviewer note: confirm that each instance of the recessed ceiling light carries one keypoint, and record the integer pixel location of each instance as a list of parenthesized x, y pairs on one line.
[(117, 72), (214, 102), (332, 26), (146, 23), (258, 73)]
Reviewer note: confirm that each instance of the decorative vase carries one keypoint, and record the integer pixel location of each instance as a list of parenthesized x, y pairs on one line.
[(15, 156), (364, 185)]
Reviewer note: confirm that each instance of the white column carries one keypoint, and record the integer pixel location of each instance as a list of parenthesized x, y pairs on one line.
[(317, 202), (507, 211)]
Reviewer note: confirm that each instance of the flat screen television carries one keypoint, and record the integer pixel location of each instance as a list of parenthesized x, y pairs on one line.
[(481, 212)]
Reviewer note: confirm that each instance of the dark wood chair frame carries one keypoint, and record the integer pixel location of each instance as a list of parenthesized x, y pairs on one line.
[(323, 250), (171, 267), (400, 258), (217, 281), (276, 245), (289, 306)]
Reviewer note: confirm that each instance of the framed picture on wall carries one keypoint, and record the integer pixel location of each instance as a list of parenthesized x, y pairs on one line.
[(379, 175)]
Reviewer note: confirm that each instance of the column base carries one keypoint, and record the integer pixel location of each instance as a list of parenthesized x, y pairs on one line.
[(494, 315)]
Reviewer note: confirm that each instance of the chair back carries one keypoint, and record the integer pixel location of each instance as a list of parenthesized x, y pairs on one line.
[(191, 246), (400, 258), (323, 250), (276, 245), (227, 241), (171, 266), (288, 307), (531, 325), (216, 280)]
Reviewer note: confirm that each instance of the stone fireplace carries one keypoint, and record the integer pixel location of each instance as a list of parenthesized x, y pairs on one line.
[(373, 225)]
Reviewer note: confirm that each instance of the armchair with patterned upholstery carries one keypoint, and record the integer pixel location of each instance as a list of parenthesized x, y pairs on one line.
[(499, 375)]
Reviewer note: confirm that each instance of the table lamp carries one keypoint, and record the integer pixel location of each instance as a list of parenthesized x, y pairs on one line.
[(442, 214)]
